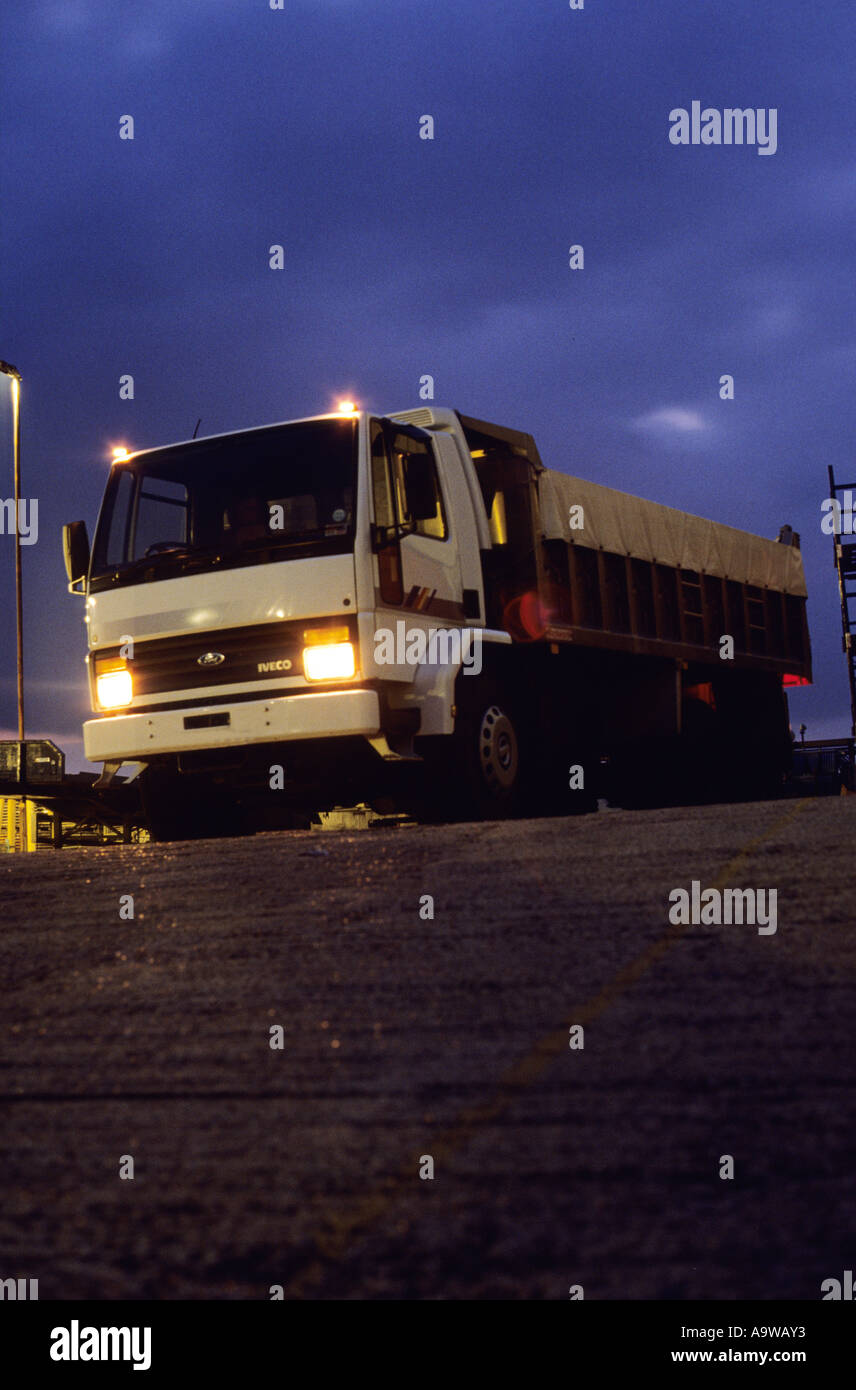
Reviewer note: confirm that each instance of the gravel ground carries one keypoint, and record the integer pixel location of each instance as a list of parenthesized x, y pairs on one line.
[(406, 1037)]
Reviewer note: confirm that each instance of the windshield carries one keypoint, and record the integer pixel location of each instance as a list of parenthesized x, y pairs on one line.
[(240, 499)]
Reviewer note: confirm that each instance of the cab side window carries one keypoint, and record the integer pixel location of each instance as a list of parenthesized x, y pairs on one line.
[(416, 485), (384, 508)]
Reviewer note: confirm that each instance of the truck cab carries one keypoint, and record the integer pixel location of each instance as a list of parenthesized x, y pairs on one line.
[(254, 601)]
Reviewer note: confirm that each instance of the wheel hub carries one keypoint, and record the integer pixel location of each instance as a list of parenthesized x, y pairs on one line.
[(498, 755)]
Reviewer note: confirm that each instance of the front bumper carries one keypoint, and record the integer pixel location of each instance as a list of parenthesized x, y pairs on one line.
[(320, 714)]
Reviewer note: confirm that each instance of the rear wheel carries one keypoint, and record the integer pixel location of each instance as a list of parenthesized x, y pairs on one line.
[(702, 774), (561, 770)]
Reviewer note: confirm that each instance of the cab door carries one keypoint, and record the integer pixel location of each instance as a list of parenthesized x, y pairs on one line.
[(409, 497), (417, 575)]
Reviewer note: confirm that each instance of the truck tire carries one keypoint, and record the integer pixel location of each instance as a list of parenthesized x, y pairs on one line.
[(758, 774), (556, 759), (701, 776), (687, 769), (476, 773)]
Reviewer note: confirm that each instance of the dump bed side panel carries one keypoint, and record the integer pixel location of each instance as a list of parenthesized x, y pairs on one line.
[(620, 572), (626, 525)]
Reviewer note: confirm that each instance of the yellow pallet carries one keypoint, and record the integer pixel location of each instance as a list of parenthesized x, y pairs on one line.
[(17, 824)]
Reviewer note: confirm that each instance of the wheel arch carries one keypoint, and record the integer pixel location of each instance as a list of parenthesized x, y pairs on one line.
[(436, 683)]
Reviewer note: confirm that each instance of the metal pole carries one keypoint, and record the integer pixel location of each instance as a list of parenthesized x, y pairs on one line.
[(19, 592), (8, 370)]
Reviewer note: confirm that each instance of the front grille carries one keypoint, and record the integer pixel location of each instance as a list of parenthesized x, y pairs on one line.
[(257, 653)]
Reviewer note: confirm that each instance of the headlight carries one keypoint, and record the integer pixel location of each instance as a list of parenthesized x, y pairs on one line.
[(328, 655), (114, 687)]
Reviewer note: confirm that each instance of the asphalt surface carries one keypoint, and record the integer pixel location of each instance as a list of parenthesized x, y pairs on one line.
[(406, 1037)]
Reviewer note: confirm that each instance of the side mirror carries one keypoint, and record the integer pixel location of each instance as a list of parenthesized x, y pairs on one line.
[(75, 547)]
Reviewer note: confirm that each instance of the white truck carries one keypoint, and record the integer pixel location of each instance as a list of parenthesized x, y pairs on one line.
[(410, 610)]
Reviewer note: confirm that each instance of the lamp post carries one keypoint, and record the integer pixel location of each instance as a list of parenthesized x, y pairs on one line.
[(8, 370)]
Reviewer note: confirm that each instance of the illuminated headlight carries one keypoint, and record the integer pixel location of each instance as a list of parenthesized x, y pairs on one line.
[(114, 687), (328, 655)]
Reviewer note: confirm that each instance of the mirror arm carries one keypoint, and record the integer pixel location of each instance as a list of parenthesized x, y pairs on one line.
[(383, 536)]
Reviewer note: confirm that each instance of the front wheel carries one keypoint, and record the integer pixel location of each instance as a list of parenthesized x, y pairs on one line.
[(476, 773), (497, 775)]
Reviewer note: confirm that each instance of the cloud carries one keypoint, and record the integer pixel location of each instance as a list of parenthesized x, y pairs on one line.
[(669, 418)]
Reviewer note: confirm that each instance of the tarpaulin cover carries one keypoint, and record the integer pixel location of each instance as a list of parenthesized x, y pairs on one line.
[(630, 525)]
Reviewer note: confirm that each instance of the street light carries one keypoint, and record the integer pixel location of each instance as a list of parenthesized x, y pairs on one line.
[(8, 370)]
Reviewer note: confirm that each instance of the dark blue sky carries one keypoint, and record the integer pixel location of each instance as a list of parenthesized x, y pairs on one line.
[(449, 257)]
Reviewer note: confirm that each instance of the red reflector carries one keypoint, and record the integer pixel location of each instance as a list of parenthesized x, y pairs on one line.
[(703, 692), (790, 679)]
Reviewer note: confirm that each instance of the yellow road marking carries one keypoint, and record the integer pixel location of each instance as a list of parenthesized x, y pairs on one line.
[(332, 1243)]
